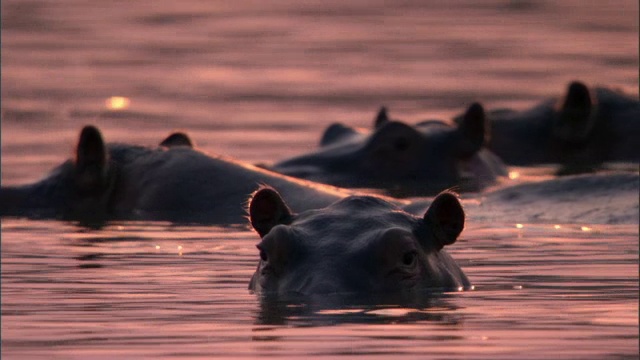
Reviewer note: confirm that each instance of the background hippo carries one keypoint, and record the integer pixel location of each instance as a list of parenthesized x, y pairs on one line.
[(405, 160), (581, 130), (171, 182), (360, 244), (606, 197)]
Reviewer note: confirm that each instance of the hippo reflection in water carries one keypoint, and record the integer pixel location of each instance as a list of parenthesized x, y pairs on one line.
[(172, 182), (360, 244), (404, 160), (580, 131)]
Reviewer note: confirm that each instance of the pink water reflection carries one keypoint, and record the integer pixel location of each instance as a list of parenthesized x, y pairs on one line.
[(260, 83)]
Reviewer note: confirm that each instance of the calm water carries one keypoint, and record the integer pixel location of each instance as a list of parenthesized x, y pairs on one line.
[(260, 84), (153, 290)]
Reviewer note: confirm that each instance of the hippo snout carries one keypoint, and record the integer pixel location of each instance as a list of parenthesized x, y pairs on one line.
[(317, 285)]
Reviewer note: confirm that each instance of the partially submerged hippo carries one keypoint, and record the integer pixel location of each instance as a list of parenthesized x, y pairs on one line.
[(605, 197), (404, 160), (172, 182), (360, 244), (580, 131)]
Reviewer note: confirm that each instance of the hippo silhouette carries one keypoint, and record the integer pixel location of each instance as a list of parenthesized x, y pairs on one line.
[(579, 131), (360, 244), (404, 160), (172, 182), (607, 197)]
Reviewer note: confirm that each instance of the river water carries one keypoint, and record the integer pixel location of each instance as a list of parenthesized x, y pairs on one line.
[(260, 82)]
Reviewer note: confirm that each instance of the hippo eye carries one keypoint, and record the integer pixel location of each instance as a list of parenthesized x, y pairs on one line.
[(409, 258), (401, 144)]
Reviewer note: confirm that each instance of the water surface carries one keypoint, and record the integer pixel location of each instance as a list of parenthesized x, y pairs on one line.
[(154, 290), (260, 83)]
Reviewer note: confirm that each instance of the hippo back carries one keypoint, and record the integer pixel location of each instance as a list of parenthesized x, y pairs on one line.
[(171, 182)]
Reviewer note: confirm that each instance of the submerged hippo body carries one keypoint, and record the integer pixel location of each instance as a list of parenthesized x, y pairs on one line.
[(405, 160), (360, 244), (172, 182), (605, 197), (580, 131)]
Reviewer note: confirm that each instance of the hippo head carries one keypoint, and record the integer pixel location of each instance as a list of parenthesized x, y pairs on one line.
[(79, 188), (576, 114), (360, 244), (83, 188), (579, 139), (423, 159)]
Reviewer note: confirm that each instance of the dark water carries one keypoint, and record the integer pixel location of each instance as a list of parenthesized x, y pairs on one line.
[(260, 82)]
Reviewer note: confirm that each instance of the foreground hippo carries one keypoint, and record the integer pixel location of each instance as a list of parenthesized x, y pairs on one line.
[(172, 182), (404, 160), (360, 244), (580, 131)]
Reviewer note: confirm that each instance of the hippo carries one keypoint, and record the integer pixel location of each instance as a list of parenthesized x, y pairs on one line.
[(359, 244), (401, 159), (172, 182), (580, 131), (604, 197)]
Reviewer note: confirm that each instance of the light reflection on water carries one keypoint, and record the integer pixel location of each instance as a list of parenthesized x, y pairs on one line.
[(538, 292), (240, 75)]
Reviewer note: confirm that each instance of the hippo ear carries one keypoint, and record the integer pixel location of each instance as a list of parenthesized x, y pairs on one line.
[(91, 165), (472, 131), (382, 118), (267, 209), (578, 97), (445, 219), (177, 139), (335, 132), (575, 121)]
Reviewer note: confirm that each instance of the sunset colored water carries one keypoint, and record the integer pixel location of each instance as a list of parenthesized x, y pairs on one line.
[(259, 83)]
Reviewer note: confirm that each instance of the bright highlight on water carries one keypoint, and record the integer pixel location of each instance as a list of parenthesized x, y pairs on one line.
[(117, 103)]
